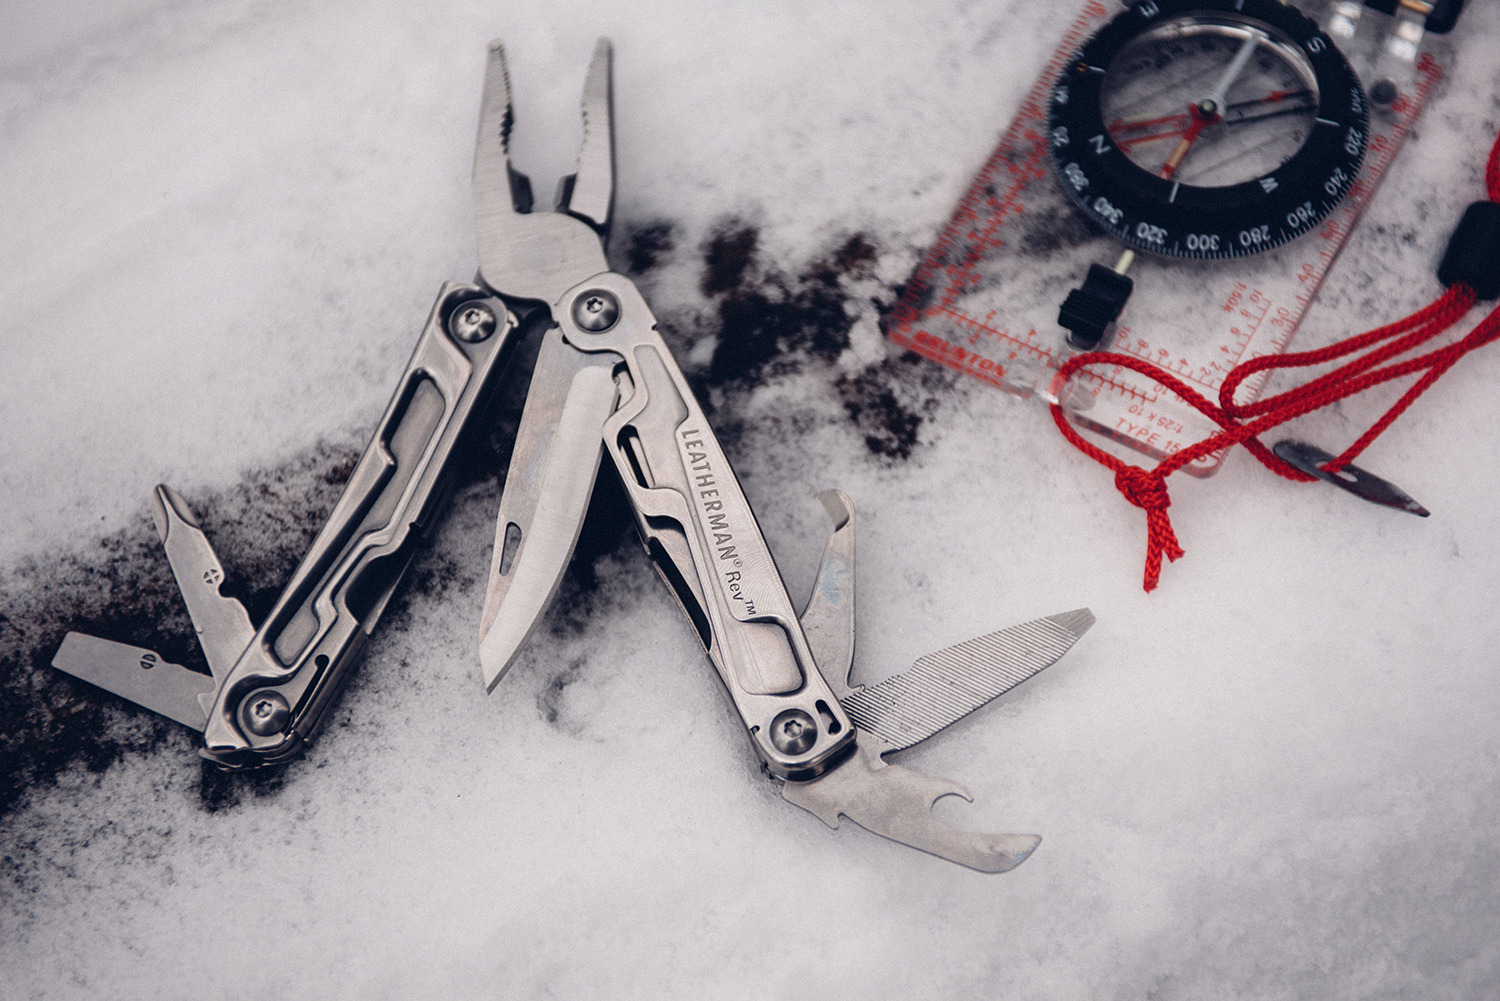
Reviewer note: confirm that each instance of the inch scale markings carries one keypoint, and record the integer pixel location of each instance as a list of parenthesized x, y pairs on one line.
[(984, 300)]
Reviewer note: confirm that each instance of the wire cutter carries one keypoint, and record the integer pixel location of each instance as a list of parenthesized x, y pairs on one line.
[(605, 383)]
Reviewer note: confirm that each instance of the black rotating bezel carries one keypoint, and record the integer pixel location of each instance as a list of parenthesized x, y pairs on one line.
[(1170, 218)]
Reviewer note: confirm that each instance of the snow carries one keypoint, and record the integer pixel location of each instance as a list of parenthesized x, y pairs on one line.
[(223, 226)]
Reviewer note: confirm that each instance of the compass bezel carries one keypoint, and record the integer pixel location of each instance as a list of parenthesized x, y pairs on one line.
[(1175, 219)]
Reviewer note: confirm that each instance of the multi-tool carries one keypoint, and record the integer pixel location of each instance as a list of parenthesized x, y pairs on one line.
[(605, 383)]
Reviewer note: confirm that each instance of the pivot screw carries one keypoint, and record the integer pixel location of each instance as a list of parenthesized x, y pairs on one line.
[(793, 732), (596, 310), (473, 323), (266, 713)]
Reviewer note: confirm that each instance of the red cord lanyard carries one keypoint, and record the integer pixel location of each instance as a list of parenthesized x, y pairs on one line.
[(1243, 424)]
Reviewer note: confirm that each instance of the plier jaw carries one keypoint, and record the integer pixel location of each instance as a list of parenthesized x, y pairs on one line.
[(528, 254)]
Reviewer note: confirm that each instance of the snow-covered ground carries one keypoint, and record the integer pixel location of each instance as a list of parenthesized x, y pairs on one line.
[(221, 228)]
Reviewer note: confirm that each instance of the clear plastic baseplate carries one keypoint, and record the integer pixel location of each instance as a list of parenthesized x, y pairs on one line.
[(985, 298)]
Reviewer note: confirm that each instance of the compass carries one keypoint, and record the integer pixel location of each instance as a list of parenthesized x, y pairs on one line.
[(1208, 128)]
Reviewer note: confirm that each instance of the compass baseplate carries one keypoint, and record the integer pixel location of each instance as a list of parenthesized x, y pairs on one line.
[(984, 300)]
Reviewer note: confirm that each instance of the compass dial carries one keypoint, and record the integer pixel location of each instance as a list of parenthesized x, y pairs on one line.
[(1208, 128)]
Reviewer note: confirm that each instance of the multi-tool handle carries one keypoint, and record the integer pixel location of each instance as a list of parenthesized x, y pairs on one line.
[(277, 691), (703, 537)]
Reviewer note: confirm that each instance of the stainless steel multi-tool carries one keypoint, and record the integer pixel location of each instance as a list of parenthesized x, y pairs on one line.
[(605, 383)]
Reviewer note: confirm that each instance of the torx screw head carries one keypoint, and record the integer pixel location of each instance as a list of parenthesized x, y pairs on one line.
[(793, 732), (473, 322), (596, 310), (266, 713)]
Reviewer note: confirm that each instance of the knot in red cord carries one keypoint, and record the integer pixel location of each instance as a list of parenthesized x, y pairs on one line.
[(1147, 490)]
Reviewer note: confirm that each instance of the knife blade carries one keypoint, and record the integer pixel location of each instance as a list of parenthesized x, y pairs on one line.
[(828, 619), (552, 471)]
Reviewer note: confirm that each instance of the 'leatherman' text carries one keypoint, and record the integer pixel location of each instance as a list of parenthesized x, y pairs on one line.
[(706, 485)]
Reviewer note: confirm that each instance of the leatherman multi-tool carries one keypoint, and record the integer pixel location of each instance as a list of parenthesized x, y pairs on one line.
[(605, 383)]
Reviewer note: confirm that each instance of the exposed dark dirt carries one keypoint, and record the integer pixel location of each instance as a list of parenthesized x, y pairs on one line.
[(767, 323)]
